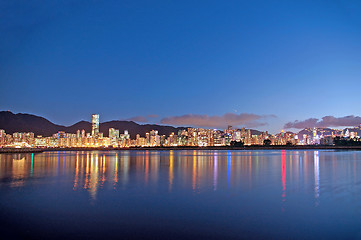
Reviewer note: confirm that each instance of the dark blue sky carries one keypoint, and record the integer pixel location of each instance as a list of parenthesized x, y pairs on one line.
[(279, 61)]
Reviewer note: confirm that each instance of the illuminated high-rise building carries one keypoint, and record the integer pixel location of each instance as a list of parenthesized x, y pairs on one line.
[(78, 134), (114, 136), (95, 125), (147, 139), (237, 136), (126, 134)]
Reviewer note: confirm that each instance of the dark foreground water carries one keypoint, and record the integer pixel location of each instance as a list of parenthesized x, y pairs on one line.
[(181, 195)]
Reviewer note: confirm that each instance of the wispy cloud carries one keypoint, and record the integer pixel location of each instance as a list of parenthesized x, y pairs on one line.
[(327, 121), (141, 119), (243, 119)]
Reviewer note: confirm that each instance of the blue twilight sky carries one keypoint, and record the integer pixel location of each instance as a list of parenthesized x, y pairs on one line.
[(258, 64)]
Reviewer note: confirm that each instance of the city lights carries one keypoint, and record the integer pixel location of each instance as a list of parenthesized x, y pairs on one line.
[(190, 137)]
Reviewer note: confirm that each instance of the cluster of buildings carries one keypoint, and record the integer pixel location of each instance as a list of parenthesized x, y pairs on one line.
[(193, 137)]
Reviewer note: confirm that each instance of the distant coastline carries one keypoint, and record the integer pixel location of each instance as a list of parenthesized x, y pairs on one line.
[(251, 148)]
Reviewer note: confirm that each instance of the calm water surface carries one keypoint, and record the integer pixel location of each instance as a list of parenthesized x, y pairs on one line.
[(181, 195)]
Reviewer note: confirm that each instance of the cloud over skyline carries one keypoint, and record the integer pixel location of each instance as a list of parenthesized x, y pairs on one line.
[(197, 120), (327, 121), (141, 119)]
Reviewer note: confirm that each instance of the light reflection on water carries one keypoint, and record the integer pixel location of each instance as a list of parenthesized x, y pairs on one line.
[(94, 170), (299, 184)]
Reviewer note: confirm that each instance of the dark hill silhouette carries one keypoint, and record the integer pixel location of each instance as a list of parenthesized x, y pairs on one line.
[(80, 126), (135, 128), (22, 122), (255, 132)]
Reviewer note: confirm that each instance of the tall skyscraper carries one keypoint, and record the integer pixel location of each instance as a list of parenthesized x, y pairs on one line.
[(95, 125)]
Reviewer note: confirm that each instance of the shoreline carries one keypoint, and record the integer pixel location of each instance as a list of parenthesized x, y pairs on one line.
[(251, 148)]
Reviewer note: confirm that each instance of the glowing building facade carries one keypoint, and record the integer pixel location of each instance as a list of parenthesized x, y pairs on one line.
[(197, 137), (95, 125)]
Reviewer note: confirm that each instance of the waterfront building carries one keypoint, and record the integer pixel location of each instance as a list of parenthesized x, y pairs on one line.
[(196, 137), (114, 136), (95, 125)]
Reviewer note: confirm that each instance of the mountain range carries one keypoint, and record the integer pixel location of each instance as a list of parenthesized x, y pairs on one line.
[(23, 122)]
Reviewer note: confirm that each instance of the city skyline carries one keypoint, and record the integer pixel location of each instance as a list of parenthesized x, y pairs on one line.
[(216, 122), (181, 137), (266, 65)]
